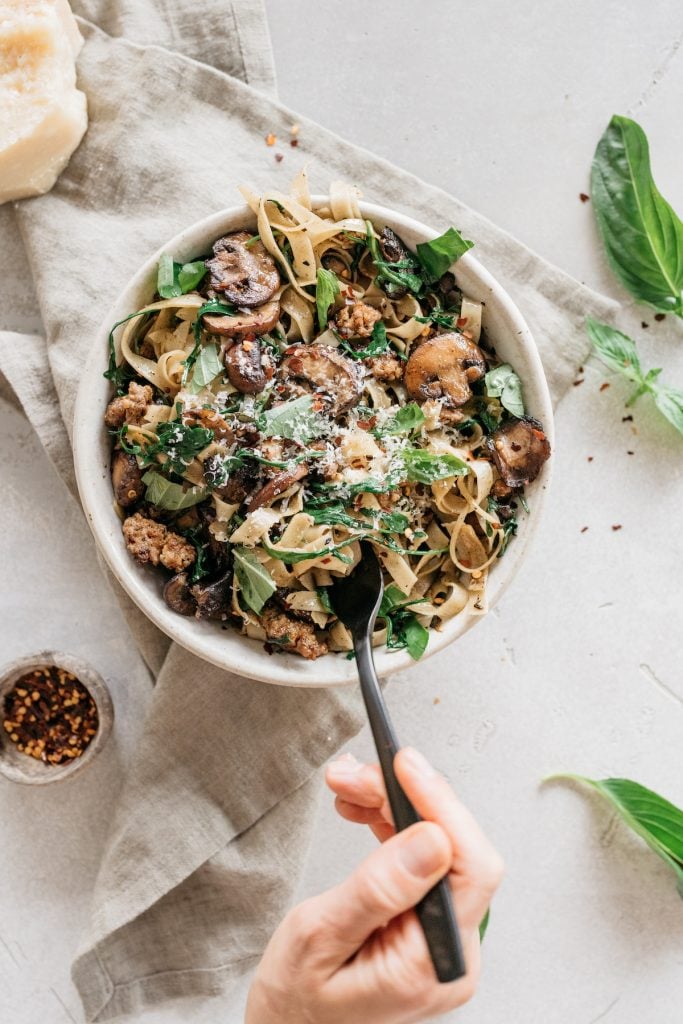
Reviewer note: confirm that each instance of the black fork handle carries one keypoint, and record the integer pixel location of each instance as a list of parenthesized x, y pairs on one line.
[(435, 910)]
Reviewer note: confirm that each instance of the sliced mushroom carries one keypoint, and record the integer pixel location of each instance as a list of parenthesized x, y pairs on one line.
[(519, 450), (126, 478), (444, 367), (178, 594), (213, 599), (245, 274), (245, 369), (277, 485), (260, 321), (394, 250), (324, 369)]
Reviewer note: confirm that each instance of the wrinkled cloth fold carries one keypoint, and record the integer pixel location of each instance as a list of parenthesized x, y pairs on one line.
[(216, 814)]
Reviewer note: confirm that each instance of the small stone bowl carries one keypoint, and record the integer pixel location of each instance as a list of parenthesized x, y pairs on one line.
[(20, 767)]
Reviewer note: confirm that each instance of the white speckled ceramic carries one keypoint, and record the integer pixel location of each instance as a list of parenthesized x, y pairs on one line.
[(224, 647), (19, 767)]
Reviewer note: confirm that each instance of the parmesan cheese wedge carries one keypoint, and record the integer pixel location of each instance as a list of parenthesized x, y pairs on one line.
[(43, 115)]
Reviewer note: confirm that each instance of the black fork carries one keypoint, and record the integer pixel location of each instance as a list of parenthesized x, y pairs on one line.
[(356, 600)]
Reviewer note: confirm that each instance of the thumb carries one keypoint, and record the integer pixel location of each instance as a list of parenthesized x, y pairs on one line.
[(390, 881)]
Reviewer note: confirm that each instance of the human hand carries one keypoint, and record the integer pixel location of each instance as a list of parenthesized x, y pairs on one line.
[(358, 950)]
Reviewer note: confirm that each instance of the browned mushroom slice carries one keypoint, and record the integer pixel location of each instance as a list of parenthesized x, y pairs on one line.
[(392, 247), (444, 367), (245, 274), (213, 599), (277, 486), (519, 450), (178, 594), (245, 369), (126, 478), (326, 371), (260, 321)]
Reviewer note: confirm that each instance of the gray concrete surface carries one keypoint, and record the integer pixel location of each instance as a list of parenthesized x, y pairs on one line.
[(579, 667)]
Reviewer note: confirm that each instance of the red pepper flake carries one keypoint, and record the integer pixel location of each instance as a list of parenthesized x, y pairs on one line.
[(579, 381), (461, 321), (583, 529), (630, 453), (294, 143), (271, 139), (604, 386), (644, 325), (627, 419), (659, 317), (590, 458), (583, 197), (50, 715), (326, 561), (617, 526), (437, 700), (279, 157)]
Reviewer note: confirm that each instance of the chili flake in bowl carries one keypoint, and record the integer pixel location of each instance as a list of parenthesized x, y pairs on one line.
[(55, 714)]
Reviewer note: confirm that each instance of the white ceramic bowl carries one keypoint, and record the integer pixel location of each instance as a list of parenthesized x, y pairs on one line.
[(506, 329)]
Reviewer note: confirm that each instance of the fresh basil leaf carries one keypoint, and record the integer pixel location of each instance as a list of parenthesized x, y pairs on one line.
[(484, 923), (408, 418), (439, 255), (416, 636), (256, 583), (326, 291), (616, 350), (190, 274), (642, 235), (393, 597), (295, 420), (422, 466), (669, 401), (502, 382), (168, 495), (375, 347), (206, 369), (175, 279), (654, 819)]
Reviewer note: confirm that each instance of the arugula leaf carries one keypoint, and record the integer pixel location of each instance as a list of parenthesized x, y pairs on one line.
[(439, 255), (377, 344), (179, 443), (326, 291), (207, 367), (422, 466), (654, 819), (416, 637), (509, 524), (168, 495), (293, 557), (119, 375), (403, 629), (618, 352), (642, 235), (502, 382), (295, 420), (174, 279), (484, 924), (212, 306), (439, 318), (324, 596), (256, 583), (400, 274), (408, 418)]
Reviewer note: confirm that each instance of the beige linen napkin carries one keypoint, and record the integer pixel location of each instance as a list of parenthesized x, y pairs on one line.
[(215, 817)]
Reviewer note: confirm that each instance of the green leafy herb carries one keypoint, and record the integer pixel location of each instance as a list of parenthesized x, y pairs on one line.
[(200, 569), (375, 347), (422, 466), (335, 514), (168, 495), (654, 819), (484, 923), (256, 583), (324, 596), (293, 557), (508, 523), (408, 418), (295, 420), (403, 629), (439, 318), (218, 309), (642, 235), (207, 367), (403, 274), (618, 352), (502, 382), (179, 443), (326, 291), (120, 375), (441, 253), (174, 279)]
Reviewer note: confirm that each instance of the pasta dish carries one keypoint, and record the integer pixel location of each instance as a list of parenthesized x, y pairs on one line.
[(309, 384)]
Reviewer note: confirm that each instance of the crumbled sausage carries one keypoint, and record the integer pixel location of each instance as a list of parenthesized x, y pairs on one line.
[(386, 368), (152, 542), (357, 321), (128, 408), (291, 634)]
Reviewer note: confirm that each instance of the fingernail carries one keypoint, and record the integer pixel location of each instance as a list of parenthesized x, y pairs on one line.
[(417, 762), (345, 764), (420, 854)]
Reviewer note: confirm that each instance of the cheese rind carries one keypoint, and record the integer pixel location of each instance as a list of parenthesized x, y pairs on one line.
[(43, 115)]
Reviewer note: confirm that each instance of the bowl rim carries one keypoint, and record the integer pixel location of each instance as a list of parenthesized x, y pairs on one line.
[(98, 689), (249, 661)]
